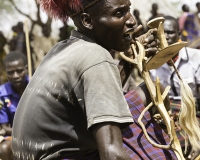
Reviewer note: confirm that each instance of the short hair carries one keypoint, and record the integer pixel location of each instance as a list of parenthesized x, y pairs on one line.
[(184, 7), (173, 19), (197, 4), (13, 56)]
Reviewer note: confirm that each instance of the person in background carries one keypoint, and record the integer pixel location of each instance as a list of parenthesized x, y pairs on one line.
[(154, 12), (183, 17), (196, 41), (136, 14), (65, 31), (20, 39), (3, 42), (15, 64), (189, 27), (186, 61)]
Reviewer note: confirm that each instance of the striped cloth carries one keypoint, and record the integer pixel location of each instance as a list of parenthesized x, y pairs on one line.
[(134, 141)]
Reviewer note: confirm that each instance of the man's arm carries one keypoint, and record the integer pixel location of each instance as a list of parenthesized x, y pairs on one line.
[(109, 141), (8, 130)]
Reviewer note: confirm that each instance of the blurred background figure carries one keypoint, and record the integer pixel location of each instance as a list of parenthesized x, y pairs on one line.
[(3, 42), (42, 42), (154, 12), (183, 17), (65, 31), (136, 14), (15, 65), (196, 42), (13, 42), (20, 39), (189, 29)]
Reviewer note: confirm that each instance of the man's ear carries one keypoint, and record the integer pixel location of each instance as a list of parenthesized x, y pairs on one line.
[(26, 68), (86, 20)]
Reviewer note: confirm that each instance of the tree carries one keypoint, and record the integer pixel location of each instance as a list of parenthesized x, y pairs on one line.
[(14, 6)]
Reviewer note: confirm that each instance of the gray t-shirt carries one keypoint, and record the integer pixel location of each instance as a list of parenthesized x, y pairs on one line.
[(76, 86)]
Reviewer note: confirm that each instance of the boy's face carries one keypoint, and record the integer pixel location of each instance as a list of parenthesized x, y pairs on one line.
[(16, 73)]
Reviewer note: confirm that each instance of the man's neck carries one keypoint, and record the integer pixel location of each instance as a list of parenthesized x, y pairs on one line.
[(174, 59), (20, 90)]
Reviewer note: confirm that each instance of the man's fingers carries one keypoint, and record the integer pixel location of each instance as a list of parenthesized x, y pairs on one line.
[(137, 30), (151, 51)]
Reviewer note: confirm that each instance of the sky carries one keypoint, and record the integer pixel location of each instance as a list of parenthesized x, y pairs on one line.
[(144, 7)]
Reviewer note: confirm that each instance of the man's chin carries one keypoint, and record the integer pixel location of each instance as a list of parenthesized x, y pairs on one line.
[(17, 85)]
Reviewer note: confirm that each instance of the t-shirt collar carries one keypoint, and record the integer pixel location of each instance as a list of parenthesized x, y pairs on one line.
[(79, 35)]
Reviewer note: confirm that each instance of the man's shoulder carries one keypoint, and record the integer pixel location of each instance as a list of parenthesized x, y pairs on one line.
[(193, 54), (5, 89), (82, 49)]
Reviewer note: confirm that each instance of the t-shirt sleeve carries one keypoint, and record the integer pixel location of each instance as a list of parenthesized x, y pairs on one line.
[(103, 95)]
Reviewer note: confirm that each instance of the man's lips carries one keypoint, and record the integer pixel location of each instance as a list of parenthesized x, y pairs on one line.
[(16, 82), (128, 34)]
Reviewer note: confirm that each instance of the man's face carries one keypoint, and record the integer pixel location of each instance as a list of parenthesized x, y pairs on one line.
[(171, 31), (113, 27), (16, 73)]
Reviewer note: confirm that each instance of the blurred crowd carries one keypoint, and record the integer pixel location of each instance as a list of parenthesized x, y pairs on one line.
[(188, 23), (40, 44)]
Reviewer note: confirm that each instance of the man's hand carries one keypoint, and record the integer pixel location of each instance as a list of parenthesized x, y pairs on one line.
[(2, 132), (150, 42)]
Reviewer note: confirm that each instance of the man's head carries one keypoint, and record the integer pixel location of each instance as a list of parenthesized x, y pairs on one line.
[(171, 29), (185, 8), (198, 6), (15, 64), (3, 41), (154, 7), (136, 13), (107, 22)]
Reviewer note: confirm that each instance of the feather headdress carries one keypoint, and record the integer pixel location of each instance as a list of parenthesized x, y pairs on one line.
[(62, 9)]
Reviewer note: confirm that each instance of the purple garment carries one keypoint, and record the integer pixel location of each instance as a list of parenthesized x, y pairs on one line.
[(134, 140), (10, 101)]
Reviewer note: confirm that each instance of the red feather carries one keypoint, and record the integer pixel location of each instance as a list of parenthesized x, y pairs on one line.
[(58, 8)]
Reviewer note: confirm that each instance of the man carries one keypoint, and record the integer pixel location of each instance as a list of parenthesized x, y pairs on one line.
[(3, 42), (15, 65), (154, 11), (74, 105), (187, 63)]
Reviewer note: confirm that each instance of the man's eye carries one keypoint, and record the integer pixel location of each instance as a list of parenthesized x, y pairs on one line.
[(20, 70), (9, 72), (119, 14), (171, 32)]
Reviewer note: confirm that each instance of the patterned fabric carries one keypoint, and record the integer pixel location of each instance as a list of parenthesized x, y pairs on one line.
[(135, 142)]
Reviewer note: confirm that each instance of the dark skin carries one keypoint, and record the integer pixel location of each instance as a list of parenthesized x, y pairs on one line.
[(110, 24), (16, 72), (172, 35)]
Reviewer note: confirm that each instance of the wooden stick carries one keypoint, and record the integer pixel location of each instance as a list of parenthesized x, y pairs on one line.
[(28, 49)]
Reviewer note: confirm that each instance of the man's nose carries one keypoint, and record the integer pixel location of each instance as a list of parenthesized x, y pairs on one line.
[(166, 35), (15, 75), (131, 21)]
